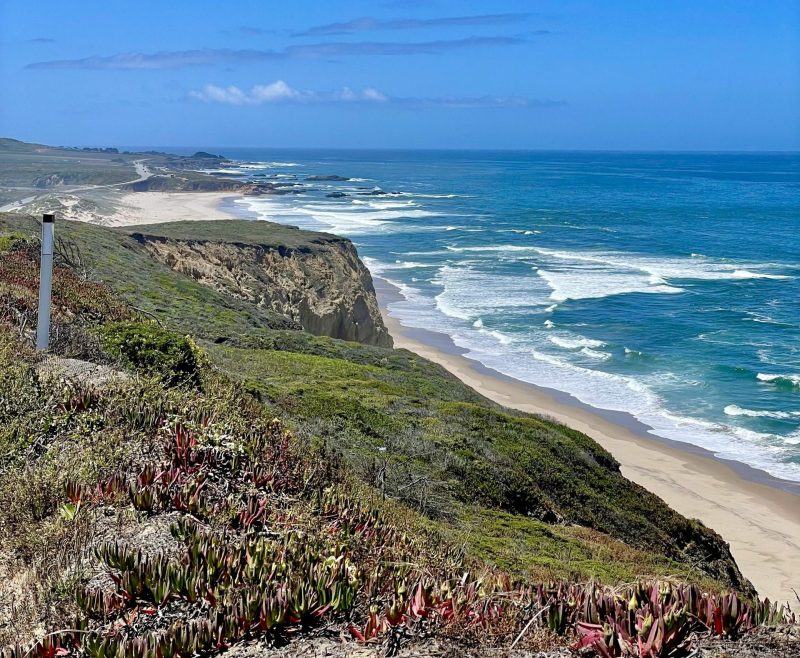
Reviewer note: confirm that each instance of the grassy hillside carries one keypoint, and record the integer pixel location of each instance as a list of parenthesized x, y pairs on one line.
[(537, 498), (264, 234), (115, 257), (281, 481), (418, 434)]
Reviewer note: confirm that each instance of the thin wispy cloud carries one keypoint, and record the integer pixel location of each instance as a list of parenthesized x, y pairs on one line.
[(40, 40), (176, 59), (399, 48), (280, 93), (368, 24), (165, 59), (251, 31)]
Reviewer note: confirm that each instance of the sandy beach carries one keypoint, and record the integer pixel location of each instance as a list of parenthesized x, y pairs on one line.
[(760, 522), (156, 207)]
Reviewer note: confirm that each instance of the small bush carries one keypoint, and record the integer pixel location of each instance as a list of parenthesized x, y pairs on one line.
[(13, 240), (150, 349)]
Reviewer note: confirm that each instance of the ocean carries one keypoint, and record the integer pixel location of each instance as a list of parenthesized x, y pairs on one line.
[(663, 285)]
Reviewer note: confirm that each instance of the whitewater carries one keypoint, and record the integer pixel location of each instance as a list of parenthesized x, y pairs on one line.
[(661, 285)]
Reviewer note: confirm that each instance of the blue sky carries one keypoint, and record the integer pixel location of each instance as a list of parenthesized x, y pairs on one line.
[(611, 74)]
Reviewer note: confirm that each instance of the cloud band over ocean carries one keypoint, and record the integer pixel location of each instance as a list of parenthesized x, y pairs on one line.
[(279, 92)]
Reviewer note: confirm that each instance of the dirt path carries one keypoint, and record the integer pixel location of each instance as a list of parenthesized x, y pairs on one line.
[(143, 172)]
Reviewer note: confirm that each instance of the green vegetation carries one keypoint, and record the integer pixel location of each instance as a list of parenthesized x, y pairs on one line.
[(423, 437), (266, 537), (418, 434), (152, 288), (239, 232), (39, 166), (155, 351), (32, 169), (304, 479)]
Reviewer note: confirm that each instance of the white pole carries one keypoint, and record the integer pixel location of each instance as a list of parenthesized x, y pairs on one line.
[(45, 283)]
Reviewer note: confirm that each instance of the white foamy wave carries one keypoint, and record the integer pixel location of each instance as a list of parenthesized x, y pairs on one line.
[(521, 231), (583, 283), (228, 171), (503, 339), (549, 324), (389, 205), (793, 380), (594, 354), (468, 293), (266, 165), (664, 268), (769, 446), (397, 265), (322, 212), (433, 196), (746, 274), (735, 410), (574, 343), (344, 220), (490, 248), (793, 438), (478, 323), (591, 275)]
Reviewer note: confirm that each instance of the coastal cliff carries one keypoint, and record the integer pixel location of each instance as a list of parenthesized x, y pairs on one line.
[(317, 281)]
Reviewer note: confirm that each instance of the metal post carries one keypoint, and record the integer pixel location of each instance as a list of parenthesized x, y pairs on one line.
[(45, 283)]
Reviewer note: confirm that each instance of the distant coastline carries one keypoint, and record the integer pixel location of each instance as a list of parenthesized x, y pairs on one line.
[(758, 514)]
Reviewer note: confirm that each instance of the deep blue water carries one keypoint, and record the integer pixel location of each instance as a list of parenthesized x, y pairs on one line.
[(664, 285)]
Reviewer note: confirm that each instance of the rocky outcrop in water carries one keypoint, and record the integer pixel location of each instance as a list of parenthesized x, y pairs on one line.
[(320, 283), (334, 178)]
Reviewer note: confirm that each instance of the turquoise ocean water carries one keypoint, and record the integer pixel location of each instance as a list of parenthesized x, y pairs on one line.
[(662, 285)]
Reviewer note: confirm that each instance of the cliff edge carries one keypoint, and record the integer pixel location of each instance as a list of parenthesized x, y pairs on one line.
[(315, 279)]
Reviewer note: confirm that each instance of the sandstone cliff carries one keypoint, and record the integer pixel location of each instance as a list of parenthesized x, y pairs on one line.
[(313, 278)]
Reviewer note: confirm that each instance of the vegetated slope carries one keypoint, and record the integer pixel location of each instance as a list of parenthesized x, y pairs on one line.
[(526, 493), (111, 255), (38, 167), (260, 275), (169, 513), (422, 436)]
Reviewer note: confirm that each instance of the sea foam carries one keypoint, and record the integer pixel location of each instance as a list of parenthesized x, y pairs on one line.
[(735, 410), (575, 343), (791, 380)]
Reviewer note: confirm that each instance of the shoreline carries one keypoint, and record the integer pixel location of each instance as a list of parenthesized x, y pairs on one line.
[(756, 514), (137, 208)]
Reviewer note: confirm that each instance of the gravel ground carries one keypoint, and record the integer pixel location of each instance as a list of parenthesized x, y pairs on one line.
[(55, 367), (320, 647)]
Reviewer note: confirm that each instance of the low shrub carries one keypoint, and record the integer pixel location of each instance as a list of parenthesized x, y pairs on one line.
[(148, 348)]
